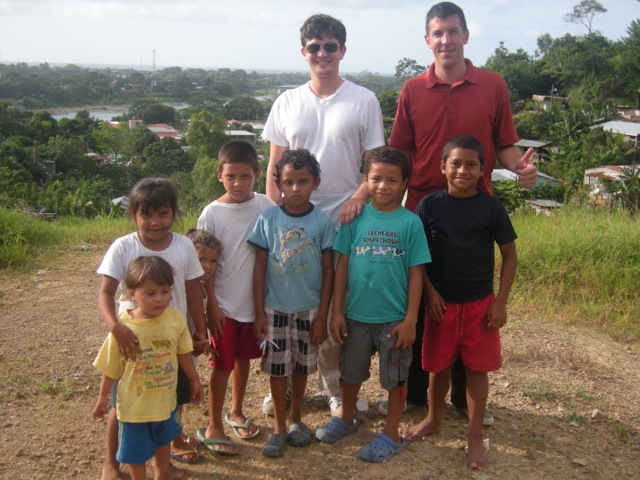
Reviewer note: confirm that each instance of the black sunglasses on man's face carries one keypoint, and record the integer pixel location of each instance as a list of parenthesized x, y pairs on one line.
[(314, 48)]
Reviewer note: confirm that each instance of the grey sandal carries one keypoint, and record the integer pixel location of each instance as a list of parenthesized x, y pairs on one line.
[(274, 445), (299, 435)]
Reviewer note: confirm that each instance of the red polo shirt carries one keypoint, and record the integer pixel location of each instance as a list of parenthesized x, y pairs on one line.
[(430, 113)]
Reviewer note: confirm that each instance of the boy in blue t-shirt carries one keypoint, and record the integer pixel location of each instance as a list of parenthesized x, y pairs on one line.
[(292, 281), (463, 316), (380, 272)]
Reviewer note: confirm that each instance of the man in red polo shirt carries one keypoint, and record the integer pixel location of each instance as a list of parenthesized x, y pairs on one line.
[(452, 98)]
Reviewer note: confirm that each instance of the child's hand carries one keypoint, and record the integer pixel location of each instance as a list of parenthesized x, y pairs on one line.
[(406, 332), (201, 345), (216, 324), (196, 391), (101, 409), (127, 342), (260, 327), (318, 331), (435, 304), (338, 327), (212, 353), (497, 315)]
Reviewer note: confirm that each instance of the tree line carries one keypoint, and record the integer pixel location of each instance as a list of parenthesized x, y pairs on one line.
[(47, 165)]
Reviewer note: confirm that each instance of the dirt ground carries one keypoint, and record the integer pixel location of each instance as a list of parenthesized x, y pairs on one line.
[(566, 402)]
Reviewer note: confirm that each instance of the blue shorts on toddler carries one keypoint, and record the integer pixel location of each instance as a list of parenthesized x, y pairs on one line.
[(137, 442)]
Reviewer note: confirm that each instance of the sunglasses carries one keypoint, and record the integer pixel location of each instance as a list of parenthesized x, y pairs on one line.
[(314, 48)]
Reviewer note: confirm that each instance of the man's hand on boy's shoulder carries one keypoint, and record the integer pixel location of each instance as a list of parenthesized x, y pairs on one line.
[(351, 209), (497, 315), (406, 333)]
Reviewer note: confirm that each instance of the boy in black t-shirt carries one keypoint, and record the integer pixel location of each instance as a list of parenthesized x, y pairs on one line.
[(463, 316)]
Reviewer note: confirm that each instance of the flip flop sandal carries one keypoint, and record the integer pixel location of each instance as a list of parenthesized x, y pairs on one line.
[(299, 435), (182, 456), (381, 449), (274, 445), (236, 426), (215, 444), (335, 430)]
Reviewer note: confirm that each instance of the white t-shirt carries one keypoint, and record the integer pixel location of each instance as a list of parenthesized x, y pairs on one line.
[(336, 129), (232, 223), (181, 255)]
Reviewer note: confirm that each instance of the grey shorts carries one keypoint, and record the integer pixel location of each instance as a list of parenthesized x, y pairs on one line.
[(363, 340)]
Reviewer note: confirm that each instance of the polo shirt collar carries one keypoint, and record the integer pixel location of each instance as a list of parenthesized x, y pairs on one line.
[(470, 76)]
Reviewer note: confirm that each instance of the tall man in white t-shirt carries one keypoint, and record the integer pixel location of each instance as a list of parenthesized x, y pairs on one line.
[(339, 122)]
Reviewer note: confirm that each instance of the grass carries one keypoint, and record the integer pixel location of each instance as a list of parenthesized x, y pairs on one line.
[(538, 392), (581, 266), (576, 418), (540, 444), (23, 239)]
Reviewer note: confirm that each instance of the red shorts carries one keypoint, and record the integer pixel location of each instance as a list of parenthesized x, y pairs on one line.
[(464, 331), (237, 340)]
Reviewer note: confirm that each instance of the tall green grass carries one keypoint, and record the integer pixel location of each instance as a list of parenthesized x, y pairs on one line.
[(581, 266), (24, 238)]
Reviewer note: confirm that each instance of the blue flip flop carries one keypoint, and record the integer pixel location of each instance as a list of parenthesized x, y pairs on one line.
[(216, 445), (381, 449), (245, 426), (335, 430)]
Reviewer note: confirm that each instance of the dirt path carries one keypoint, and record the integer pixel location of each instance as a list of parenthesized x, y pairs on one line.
[(566, 403)]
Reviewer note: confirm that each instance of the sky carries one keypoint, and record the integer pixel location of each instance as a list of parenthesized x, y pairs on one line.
[(264, 34)]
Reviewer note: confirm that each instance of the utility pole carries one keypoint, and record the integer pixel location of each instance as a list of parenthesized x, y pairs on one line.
[(153, 69)]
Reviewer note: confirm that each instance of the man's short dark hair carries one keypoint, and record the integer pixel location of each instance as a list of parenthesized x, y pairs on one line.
[(390, 155), (444, 10), (298, 158), (467, 142), (238, 151), (318, 25)]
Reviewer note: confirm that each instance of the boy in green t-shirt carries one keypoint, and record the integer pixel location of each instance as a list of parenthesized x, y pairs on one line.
[(381, 266)]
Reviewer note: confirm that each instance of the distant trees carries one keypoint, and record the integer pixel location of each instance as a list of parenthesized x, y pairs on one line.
[(591, 70), (521, 72), (407, 68), (206, 132)]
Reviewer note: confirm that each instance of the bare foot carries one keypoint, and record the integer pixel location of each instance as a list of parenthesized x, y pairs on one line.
[(477, 457), (182, 446), (420, 430), (111, 471)]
